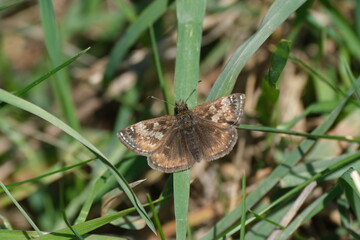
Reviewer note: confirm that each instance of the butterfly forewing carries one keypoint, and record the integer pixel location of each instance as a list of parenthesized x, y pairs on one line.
[(146, 136), (224, 110)]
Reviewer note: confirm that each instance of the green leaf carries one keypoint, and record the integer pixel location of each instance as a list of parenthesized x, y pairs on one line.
[(268, 100), (278, 61)]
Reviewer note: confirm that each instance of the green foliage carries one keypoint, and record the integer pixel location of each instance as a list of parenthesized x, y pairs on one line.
[(61, 163), (278, 61)]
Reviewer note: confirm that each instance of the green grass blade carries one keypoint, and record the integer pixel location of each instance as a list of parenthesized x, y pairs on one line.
[(266, 220), (294, 133), (156, 218), (159, 70), (29, 107), (53, 45), (277, 14), (316, 73), (310, 211), (190, 15), (346, 221), (26, 235), (154, 11), (23, 212), (350, 76), (81, 228), (243, 207), (303, 172), (317, 177), (18, 235), (352, 194), (85, 227), (9, 186), (47, 75), (266, 226), (10, 4), (85, 199), (344, 29), (268, 183), (50, 73), (181, 201)]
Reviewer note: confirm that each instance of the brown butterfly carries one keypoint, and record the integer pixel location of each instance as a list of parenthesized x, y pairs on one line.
[(175, 142)]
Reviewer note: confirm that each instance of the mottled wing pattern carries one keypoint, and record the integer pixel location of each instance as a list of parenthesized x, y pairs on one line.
[(146, 136), (174, 143), (178, 152), (224, 111), (216, 125), (173, 155)]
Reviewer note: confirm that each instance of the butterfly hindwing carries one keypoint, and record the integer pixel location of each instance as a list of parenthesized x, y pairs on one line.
[(214, 141), (179, 151), (173, 155)]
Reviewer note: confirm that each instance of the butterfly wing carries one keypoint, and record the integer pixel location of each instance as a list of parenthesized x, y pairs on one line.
[(181, 149), (224, 111), (215, 140), (171, 147), (216, 125), (146, 136), (174, 155)]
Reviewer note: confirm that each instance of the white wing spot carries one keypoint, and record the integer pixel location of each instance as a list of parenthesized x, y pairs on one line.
[(221, 111), (141, 128)]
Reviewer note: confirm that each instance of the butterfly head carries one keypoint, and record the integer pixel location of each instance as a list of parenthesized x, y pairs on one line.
[(180, 107)]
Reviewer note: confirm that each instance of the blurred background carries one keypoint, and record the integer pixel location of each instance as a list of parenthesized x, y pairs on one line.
[(107, 88)]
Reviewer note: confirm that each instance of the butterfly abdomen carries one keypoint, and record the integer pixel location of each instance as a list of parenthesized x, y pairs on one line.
[(187, 127)]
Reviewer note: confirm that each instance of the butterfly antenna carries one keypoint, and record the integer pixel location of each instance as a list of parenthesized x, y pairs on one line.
[(190, 95), (192, 92), (153, 97)]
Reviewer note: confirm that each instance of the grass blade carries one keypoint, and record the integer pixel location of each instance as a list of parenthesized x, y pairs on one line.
[(20, 208), (61, 83), (29, 107), (190, 15), (310, 211), (243, 207), (47, 75), (154, 11), (279, 11), (268, 183)]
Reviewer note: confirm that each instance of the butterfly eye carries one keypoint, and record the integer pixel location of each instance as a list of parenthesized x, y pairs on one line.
[(180, 107)]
